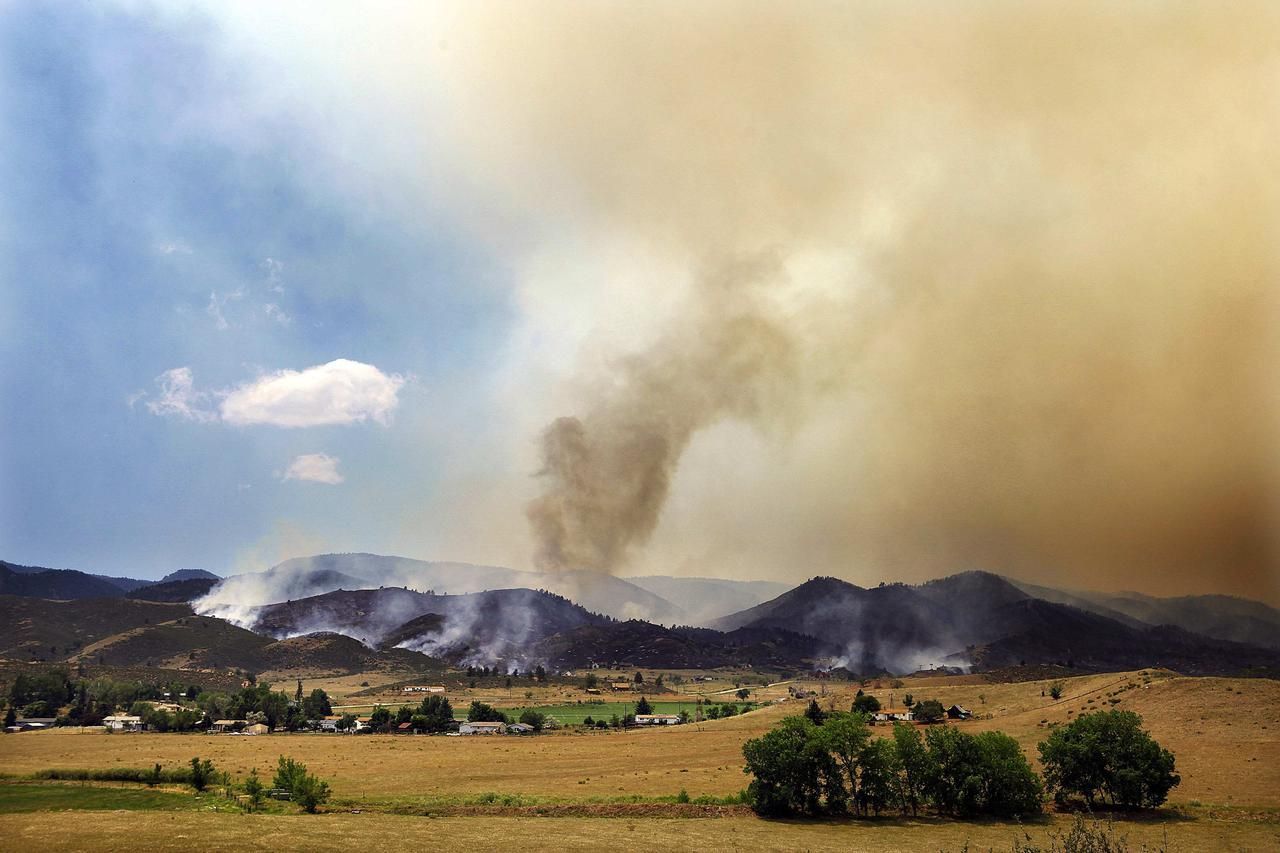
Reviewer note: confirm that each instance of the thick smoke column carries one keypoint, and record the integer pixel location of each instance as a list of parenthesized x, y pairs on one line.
[(1006, 273), (608, 473)]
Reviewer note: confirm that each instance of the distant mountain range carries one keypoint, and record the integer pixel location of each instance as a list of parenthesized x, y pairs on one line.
[(70, 584), (982, 620), (466, 613)]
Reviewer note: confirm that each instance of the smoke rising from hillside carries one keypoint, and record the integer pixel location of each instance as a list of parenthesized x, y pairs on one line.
[(996, 283)]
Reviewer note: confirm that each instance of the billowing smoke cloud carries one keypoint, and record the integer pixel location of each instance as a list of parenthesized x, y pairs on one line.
[(1013, 268), (608, 473), (996, 284)]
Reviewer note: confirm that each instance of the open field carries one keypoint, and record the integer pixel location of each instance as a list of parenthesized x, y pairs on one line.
[(183, 831), (1223, 732)]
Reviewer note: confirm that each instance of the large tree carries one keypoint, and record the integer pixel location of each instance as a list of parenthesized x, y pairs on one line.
[(1107, 754)]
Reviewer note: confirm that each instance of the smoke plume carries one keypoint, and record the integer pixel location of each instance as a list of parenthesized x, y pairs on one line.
[(991, 285)]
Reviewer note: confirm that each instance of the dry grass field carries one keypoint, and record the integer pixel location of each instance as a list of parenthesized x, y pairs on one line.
[(184, 831), (1224, 732)]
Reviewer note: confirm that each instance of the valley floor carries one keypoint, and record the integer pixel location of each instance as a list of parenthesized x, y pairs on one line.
[(610, 789), (184, 831)]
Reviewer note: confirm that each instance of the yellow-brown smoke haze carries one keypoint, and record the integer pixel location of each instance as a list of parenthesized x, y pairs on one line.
[(994, 285)]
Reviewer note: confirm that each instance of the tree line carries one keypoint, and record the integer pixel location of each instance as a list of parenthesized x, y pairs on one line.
[(835, 765)]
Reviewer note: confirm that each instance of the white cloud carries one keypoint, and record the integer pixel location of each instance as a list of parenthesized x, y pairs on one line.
[(314, 468), (340, 392), (178, 397)]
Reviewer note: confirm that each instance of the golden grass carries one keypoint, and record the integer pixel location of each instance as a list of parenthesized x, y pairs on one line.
[(1225, 734), (184, 831)]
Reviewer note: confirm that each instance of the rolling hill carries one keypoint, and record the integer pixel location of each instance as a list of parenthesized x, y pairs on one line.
[(183, 591), (481, 627), (303, 577), (42, 629), (982, 620)]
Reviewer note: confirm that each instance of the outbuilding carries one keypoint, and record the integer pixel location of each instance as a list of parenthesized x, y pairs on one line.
[(482, 728), (958, 712)]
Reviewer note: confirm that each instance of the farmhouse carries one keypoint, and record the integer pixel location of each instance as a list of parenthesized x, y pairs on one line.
[(657, 719), (958, 712), (893, 716), (520, 729), (123, 723), (479, 728)]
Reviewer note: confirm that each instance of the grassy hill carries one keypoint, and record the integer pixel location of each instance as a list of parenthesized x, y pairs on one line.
[(39, 629)]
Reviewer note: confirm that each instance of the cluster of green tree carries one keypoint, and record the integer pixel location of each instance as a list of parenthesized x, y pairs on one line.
[(716, 712), (480, 712), (834, 765), (45, 694), (838, 766)]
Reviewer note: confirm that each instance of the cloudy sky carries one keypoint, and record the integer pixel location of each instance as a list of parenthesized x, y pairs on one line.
[(720, 290)]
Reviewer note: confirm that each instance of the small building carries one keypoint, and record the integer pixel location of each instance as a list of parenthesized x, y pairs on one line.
[(958, 712), (893, 716), (257, 729), (520, 729), (31, 724), (225, 726), (594, 691), (403, 729), (123, 723), (423, 688), (657, 719), (329, 724), (482, 728), (620, 685)]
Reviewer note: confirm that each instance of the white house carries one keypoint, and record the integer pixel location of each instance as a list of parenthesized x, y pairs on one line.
[(123, 723), (478, 728), (657, 719)]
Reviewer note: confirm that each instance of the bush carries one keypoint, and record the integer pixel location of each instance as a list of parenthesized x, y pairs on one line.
[(1055, 690), (180, 776), (1108, 754), (254, 789), (533, 718), (483, 713), (308, 791), (201, 773)]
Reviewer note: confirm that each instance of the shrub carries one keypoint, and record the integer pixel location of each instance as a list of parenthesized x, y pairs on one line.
[(533, 718), (201, 773), (1055, 691), (253, 787), (484, 713), (310, 792), (1108, 754)]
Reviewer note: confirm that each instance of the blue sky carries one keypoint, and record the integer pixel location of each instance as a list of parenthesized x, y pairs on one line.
[(153, 220)]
